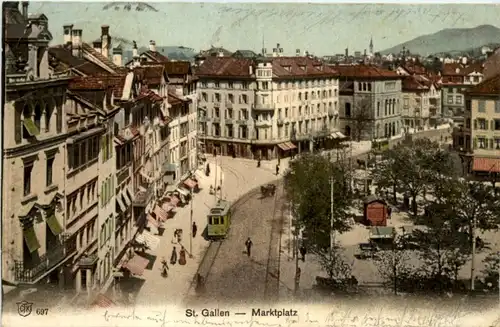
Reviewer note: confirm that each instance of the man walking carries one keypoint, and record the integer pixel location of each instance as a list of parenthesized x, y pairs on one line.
[(194, 229), (249, 244), (303, 252), (277, 170)]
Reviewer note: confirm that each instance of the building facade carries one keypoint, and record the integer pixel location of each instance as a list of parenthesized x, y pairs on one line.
[(478, 140), (265, 107), (415, 112), (370, 102)]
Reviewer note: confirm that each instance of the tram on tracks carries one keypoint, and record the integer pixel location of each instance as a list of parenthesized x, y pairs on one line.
[(219, 220)]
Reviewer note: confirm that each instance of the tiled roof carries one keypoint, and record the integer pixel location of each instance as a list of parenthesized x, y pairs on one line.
[(148, 94), (486, 164), (114, 82), (155, 56), (173, 99), (457, 69), (365, 71), (490, 86), (178, 68), (88, 48), (414, 67), (65, 57), (412, 83), (151, 74), (225, 67), (289, 67)]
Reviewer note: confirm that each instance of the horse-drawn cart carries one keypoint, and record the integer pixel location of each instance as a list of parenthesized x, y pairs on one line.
[(268, 190)]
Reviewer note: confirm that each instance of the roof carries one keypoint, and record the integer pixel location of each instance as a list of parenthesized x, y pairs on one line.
[(225, 67), (214, 51), (414, 67), (383, 232), (152, 74), (490, 86), (414, 83), (289, 67), (88, 48), (88, 83), (365, 71), (62, 59), (458, 69), (373, 198), (486, 164), (244, 54), (173, 99), (155, 56), (178, 67)]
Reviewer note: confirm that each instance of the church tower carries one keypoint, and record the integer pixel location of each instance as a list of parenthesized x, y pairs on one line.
[(371, 45)]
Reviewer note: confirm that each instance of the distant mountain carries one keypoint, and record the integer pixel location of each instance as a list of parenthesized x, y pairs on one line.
[(450, 40)]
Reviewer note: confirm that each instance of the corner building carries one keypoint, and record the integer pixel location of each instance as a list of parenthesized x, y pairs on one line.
[(267, 107)]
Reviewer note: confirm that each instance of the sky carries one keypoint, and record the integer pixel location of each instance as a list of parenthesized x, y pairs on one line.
[(321, 29)]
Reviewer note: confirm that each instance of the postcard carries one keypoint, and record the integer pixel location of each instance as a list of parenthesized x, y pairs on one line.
[(250, 164)]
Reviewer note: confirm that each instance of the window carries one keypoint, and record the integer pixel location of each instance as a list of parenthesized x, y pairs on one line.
[(369, 87), (348, 109), (497, 107), (204, 96), (458, 99), (496, 124), (482, 142), (216, 84), (217, 97), (244, 85), (481, 106), (244, 98), (450, 98), (48, 173), (229, 130), (497, 143), (217, 112), (230, 85), (28, 169), (230, 98)]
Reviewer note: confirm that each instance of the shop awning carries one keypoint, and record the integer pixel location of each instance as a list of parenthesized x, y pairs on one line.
[(190, 183), (382, 232), (182, 191), (120, 203), (491, 165), (153, 221), (340, 135), (137, 264), (151, 241), (126, 199), (161, 214), (30, 126), (291, 146), (31, 239), (283, 146), (54, 225), (173, 200), (334, 136), (102, 302), (130, 194)]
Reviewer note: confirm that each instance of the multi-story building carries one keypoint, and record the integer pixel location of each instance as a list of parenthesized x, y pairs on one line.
[(492, 64), (456, 79), (415, 112), (478, 140), (370, 102), (34, 137), (264, 107)]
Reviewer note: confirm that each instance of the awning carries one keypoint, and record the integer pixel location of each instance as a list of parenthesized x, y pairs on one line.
[(153, 221), (137, 264), (151, 241), (31, 239), (103, 302), (30, 126), (334, 136), (125, 198), (173, 200), (381, 232), (170, 167), (121, 205), (291, 146), (84, 135), (161, 214), (182, 191), (190, 183), (491, 165), (283, 146), (340, 135), (130, 194), (54, 225)]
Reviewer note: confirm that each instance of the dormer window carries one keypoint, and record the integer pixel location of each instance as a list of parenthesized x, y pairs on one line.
[(303, 67), (287, 68)]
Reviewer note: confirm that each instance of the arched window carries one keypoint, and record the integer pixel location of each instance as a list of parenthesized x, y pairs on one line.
[(300, 95), (305, 96), (364, 86), (49, 109), (369, 87), (386, 132), (386, 107), (37, 116), (348, 130), (359, 86)]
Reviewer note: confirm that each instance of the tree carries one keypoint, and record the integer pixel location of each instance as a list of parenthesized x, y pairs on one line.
[(335, 264), (361, 117), (308, 188), (393, 265), (386, 176), (492, 263)]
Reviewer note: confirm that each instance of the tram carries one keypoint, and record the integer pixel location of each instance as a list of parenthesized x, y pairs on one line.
[(219, 220)]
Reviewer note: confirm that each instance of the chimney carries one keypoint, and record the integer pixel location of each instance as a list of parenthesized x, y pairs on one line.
[(264, 51), (97, 45), (76, 41), (306, 54), (464, 61), (25, 9), (275, 52), (297, 52), (221, 54), (250, 70), (105, 39), (152, 46), (135, 54), (346, 52), (117, 56), (68, 32)]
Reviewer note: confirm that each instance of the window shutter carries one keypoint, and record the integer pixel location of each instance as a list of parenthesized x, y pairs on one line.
[(475, 123), (101, 195), (491, 143), (475, 143)]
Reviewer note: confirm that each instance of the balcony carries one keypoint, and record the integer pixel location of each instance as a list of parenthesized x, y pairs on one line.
[(203, 119), (88, 261), (263, 123), (79, 122), (332, 112), (323, 132), (123, 174), (46, 262), (217, 103), (241, 122), (229, 104), (216, 120), (143, 197), (280, 121), (263, 106)]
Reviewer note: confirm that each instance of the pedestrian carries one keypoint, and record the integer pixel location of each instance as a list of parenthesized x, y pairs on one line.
[(249, 244), (173, 257), (389, 211), (303, 252), (258, 163), (195, 229), (277, 170), (182, 256)]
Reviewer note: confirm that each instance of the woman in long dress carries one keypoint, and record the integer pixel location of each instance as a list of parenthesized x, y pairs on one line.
[(173, 257)]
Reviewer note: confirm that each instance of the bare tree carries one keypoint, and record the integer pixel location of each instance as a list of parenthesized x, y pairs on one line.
[(393, 265), (361, 117)]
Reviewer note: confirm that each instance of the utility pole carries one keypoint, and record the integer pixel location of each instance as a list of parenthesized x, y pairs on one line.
[(472, 269), (191, 226), (332, 233), (220, 179), (215, 175), (290, 244), (297, 272)]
